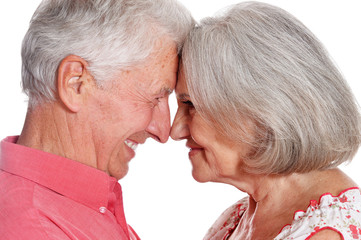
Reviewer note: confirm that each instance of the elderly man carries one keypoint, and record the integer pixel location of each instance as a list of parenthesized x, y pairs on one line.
[(98, 74)]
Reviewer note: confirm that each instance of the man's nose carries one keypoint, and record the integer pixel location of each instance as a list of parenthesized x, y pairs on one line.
[(159, 126), (180, 129)]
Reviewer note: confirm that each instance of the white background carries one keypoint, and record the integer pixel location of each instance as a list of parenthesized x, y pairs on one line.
[(162, 201)]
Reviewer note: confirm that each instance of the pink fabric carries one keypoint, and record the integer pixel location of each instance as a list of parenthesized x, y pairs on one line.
[(45, 196)]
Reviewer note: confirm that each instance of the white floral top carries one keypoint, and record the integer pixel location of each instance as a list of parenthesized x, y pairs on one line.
[(341, 214)]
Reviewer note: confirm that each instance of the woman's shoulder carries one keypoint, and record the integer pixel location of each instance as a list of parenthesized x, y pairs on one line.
[(341, 214), (227, 221)]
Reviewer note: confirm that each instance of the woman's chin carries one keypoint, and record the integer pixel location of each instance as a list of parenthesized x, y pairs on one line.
[(199, 177)]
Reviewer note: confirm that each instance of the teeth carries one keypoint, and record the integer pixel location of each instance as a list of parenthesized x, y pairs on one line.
[(131, 144)]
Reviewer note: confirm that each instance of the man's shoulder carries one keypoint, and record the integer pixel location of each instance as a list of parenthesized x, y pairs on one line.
[(28, 224), (19, 217), (15, 188), (16, 197)]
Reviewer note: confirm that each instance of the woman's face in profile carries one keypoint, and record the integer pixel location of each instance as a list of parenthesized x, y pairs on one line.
[(214, 157)]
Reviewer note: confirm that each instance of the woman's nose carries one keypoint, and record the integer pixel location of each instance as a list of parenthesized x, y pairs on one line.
[(180, 129)]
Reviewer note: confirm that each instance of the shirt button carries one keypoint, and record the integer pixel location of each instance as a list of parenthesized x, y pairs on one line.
[(102, 209)]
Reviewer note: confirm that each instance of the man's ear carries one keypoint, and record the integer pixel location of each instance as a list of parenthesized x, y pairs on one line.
[(72, 76)]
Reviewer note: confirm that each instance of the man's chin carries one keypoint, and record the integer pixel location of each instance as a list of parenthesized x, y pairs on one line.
[(119, 173)]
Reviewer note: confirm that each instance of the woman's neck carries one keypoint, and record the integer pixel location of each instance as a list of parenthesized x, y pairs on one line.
[(274, 199)]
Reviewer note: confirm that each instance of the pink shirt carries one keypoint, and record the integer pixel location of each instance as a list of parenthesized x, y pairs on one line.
[(45, 196)]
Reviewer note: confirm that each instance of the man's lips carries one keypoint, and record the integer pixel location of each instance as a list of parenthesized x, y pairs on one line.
[(131, 144)]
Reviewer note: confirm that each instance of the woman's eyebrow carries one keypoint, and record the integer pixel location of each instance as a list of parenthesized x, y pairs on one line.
[(183, 96)]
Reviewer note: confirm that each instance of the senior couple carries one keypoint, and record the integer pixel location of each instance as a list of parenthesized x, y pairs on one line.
[(260, 105)]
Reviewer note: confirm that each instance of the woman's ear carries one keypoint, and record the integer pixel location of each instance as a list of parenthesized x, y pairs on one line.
[(72, 77)]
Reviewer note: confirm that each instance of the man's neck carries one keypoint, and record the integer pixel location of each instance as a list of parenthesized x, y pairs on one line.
[(52, 129)]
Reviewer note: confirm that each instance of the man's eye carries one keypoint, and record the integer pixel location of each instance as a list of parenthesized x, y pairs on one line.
[(155, 102)]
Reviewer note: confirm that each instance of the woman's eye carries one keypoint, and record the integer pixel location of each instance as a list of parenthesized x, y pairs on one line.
[(188, 103)]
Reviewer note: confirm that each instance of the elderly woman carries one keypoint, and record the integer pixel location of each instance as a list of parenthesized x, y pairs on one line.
[(263, 108)]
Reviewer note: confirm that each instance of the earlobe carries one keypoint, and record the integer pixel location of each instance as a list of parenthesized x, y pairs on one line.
[(72, 76)]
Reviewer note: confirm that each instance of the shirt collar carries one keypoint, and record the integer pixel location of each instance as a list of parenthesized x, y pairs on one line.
[(81, 183)]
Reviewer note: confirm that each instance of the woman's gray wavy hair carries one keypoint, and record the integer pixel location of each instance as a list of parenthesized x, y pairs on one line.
[(257, 63), (111, 35)]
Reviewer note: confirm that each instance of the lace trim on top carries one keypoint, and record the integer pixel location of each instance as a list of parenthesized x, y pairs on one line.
[(341, 213)]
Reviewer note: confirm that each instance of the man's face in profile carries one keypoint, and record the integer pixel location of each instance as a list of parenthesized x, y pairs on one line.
[(133, 107)]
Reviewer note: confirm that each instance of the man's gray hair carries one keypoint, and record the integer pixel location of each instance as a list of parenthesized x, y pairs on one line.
[(257, 63), (111, 35)]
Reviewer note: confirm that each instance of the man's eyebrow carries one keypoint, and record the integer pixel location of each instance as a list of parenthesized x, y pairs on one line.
[(165, 91)]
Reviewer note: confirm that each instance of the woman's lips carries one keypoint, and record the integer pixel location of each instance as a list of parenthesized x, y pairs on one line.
[(194, 148), (194, 151)]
